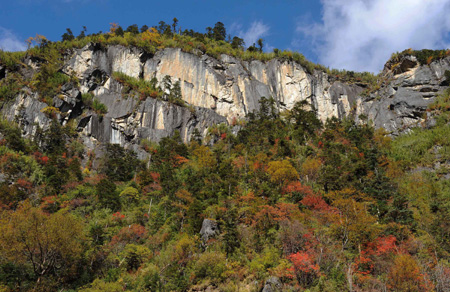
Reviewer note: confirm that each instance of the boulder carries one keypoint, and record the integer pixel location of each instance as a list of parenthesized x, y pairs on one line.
[(209, 230), (273, 284)]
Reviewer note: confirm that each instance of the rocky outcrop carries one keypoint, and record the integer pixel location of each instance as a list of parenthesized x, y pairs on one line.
[(402, 102), (272, 284), (209, 230), (216, 91)]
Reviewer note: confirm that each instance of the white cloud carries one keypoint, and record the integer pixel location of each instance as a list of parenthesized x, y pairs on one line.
[(361, 35), (256, 31), (9, 41)]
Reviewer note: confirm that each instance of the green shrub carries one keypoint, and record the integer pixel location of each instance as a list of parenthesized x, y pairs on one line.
[(99, 107), (9, 88), (11, 60), (140, 86), (87, 99)]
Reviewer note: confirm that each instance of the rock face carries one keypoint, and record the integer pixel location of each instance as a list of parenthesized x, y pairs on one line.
[(402, 102), (216, 91), (209, 229), (230, 87), (272, 284)]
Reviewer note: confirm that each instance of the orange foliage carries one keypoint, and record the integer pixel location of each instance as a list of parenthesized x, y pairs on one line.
[(180, 160), (239, 162), (129, 234), (316, 203), (151, 35), (113, 27), (304, 267), (297, 187), (377, 250), (50, 204), (405, 276)]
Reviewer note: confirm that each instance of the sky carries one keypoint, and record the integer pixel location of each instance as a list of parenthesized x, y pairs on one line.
[(358, 35)]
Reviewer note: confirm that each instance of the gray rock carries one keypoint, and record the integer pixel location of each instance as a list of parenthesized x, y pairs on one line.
[(273, 284), (217, 91), (209, 230)]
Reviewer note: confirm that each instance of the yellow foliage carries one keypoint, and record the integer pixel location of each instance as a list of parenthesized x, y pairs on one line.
[(204, 157), (281, 171), (113, 27), (50, 240), (310, 168), (405, 276), (353, 224), (50, 110), (151, 35)]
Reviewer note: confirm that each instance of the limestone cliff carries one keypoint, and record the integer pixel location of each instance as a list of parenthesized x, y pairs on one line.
[(217, 91)]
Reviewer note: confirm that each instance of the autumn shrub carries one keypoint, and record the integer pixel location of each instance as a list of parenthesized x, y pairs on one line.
[(134, 255), (305, 267), (53, 242), (405, 276), (210, 266)]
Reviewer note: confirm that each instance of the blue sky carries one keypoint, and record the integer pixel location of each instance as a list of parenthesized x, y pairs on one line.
[(352, 34)]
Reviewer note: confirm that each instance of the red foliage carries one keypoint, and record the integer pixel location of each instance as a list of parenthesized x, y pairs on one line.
[(304, 261), (223, 136), (24, 184), (377, 249), (50, 204), (129, 234), (297, 187), (118, 217), (179, 160), (155, 176), (316, 202), (271, 215), (304, 267), (155, 185), (44, 159)]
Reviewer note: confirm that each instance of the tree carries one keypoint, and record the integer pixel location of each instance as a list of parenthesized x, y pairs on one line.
[(405, 276), (82, 33), (133, 29), (119, 31), (151, 35), (305, 267), (164, 29), (219, 32), (119, 164), (130, 195), (50, 244), (281, 171), (174, 25), (107, 195), (144, 28), (68, 36), (304, 121), (237, 43), (260, 44)]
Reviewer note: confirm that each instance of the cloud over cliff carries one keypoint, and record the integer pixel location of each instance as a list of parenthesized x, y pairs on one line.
[(362, 34), (9, 41)]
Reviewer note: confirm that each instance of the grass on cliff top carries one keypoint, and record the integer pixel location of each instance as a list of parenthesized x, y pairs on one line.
[(425, 57)]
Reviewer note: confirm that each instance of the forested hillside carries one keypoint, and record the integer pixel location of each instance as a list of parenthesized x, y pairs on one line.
[(278, 201)]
